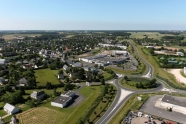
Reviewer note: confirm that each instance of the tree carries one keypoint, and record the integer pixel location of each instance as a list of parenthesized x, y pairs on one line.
[(140, 85), (125, 78), (48, 85), (102, 81)]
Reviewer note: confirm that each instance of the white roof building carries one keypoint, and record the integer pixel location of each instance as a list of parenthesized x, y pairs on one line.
[(184, 70), (10, 109)]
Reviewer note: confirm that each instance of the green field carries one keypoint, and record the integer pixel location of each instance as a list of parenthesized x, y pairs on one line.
[(2, 113), (44, 75), (107, 76), (103, 105), (51, 114), (155, 35)]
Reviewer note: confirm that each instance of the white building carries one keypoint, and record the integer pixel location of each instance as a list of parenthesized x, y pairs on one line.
[(10, 109), (171, 102), (184, 70), (63, 100), (38, 95)]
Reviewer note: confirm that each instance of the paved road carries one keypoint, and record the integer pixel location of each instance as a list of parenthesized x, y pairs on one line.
[(116, 105)]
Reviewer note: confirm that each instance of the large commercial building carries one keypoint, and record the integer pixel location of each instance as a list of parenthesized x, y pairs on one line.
[(172, 102)]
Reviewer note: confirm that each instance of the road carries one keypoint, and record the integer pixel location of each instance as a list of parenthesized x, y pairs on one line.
[(123, 94)]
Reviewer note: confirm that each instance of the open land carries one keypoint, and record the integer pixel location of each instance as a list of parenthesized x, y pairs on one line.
[(177, 75), (46, 75), (50, 114)]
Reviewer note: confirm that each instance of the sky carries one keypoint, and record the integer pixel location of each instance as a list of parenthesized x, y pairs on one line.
[(92, 14)]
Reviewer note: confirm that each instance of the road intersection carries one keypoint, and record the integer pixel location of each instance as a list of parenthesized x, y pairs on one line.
[(123, 94)]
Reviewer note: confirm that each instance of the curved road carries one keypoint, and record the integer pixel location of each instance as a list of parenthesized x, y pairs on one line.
[(120, 100)]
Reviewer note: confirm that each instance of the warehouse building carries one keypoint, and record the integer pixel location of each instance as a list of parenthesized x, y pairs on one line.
[(173, 103), (63, 100)]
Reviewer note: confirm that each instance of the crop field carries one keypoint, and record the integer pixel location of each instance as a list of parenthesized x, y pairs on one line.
[(155, 35), (14, 36), (44, 75), (47, 114), (41, 115)]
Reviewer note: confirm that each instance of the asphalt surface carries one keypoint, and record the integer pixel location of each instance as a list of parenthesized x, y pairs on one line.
[(148, 107), (115, 106)]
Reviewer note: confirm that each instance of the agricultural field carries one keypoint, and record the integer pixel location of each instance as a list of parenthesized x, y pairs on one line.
[(41, 115), (155, 35), (14, 36), (44, 75), (49, 114)]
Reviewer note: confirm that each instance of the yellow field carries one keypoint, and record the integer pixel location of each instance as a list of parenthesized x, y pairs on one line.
[(14, 36), (41, 115), (155, 35)]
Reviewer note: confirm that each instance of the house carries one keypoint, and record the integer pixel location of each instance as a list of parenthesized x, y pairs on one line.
[(74, 74), (69, 62), (60, 76), (2, 81), (64, 99), (174, 103), (27, 66), (38, 95), (38, 65), (77, 65), (25, 62), (18, 62), (13, 120), (10, 109), (66, 68), (22, 82), (3, 61)]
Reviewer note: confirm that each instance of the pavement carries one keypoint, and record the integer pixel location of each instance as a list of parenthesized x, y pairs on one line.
[(149, 107), (177, 74)]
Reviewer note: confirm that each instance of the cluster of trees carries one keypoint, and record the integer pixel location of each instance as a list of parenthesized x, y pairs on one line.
[(56, 64), (142, 84), (12, 98)]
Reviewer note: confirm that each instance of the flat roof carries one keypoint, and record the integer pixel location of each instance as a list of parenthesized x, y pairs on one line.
[(62, 99), (173, 100), (68, 93)]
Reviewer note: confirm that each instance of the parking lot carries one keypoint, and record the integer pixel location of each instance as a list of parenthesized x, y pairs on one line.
[(134, 117), (149, 107)]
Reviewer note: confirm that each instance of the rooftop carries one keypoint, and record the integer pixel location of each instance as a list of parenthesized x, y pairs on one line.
[(173, 100), (62, 99)]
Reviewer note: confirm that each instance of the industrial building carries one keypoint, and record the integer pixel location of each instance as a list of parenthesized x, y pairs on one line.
[(63, 100), (173, 103)]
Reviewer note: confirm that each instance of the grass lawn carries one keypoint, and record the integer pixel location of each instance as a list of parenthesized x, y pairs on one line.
[(102, 107), (120, 71), (107, 76), (50, 114), (44, 75), (2, 113), (1, 104), (183, 74), (157, 70), (132, 82)]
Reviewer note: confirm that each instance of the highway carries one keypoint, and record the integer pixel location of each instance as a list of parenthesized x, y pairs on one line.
[(123, 94)]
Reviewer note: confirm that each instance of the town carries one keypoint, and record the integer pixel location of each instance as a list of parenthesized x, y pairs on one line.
[(50, 73)]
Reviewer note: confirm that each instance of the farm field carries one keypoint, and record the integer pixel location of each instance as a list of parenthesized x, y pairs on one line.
[(13, 36), (50, 114), (155, 35), (44, 75)]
